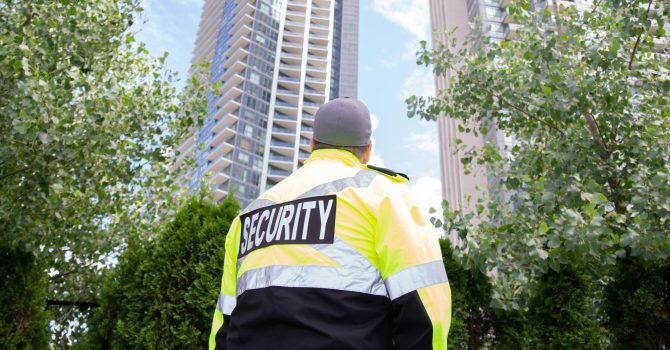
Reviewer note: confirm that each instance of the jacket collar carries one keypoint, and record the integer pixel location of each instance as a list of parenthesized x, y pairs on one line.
[(335, 155)]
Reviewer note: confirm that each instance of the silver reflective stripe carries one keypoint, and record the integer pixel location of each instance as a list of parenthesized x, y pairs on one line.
[(257, 204), (226, 304), (356, 273), (415, 277), (362, 178)]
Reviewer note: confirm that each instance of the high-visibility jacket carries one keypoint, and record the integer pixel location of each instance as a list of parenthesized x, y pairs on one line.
[(335, 256)]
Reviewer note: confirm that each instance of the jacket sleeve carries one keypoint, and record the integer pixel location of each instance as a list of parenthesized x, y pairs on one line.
[(227, 296), (410, 262)]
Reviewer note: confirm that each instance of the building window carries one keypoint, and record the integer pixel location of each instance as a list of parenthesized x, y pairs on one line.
[(254, 77)]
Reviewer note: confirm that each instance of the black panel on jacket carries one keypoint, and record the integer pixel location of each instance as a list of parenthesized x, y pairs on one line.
[(309, 319), (412, 328), (222, 334)]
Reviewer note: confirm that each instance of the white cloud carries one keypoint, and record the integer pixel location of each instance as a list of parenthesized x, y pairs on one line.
[(411, 15), (374, 120), (411, 48), (420, 82), (170, 26), (423, 141), (375, 158), (389, 64), (428, 191)]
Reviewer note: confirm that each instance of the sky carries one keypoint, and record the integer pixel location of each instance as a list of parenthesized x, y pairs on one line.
[(389, 35)]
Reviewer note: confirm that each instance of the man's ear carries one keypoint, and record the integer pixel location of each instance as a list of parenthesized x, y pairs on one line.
[(311, 144), (367, 153)]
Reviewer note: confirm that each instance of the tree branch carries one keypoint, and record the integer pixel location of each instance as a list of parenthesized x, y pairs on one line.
[(75, 303), (594, 128), (637, 41), (62, 275), (531, 116), (13, 173), (559, 26), (28, 20)]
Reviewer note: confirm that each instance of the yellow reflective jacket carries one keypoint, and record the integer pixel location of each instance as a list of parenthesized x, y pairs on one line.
[(336, 256)]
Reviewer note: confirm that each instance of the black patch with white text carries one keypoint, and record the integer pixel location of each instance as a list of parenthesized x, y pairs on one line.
[(303, 221)]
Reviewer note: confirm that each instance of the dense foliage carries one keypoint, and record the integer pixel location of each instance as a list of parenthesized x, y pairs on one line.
[(471, 325), (637, 304), (584, 186), (87, 120), (163, 293), (24, 290)]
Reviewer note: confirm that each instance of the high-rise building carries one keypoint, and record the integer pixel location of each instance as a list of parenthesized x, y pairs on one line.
[(492, 21), (461, 190), (277, 61)]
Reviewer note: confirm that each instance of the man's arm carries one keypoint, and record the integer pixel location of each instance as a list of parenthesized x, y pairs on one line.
[(227, 297), (411, 265)]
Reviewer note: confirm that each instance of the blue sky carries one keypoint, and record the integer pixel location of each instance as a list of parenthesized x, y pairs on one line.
[(389, 33)]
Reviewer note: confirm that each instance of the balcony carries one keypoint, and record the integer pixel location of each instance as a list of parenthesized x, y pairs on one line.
[(316, 26), (280, 158), (244, 10), (219, 194), (275, 172), (281, 162), (295, 35), (317, 48), (287, 94), (222, 148), (285, 54), (291, 47), (225, 122), (284, 131), (229, 106), (219, 169), (306, 128), (317, 38), (295, 15), (280, 144), (237, 67), (314, 79), (239, 55), (314, 92), (280, 116), (285, 107), (289, 67), (294, 25), (231, 93), (286, 78), (297, 4), (217, 138), (320, 18)]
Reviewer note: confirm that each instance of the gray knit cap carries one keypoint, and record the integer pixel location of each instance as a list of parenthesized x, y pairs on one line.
[(343, 121)]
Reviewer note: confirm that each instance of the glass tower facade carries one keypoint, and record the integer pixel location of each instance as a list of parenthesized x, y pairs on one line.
[(276, 61)]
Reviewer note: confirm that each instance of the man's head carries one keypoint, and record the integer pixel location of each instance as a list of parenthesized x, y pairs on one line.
[(343, 123)]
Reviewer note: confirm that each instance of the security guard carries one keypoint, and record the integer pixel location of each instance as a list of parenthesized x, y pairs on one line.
[(336, 256)]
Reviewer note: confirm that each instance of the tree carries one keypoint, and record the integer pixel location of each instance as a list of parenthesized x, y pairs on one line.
[(87, 119), (560, 314), (471, 325), (584, 95), (23, 324), (637, 304), (163, 293)]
